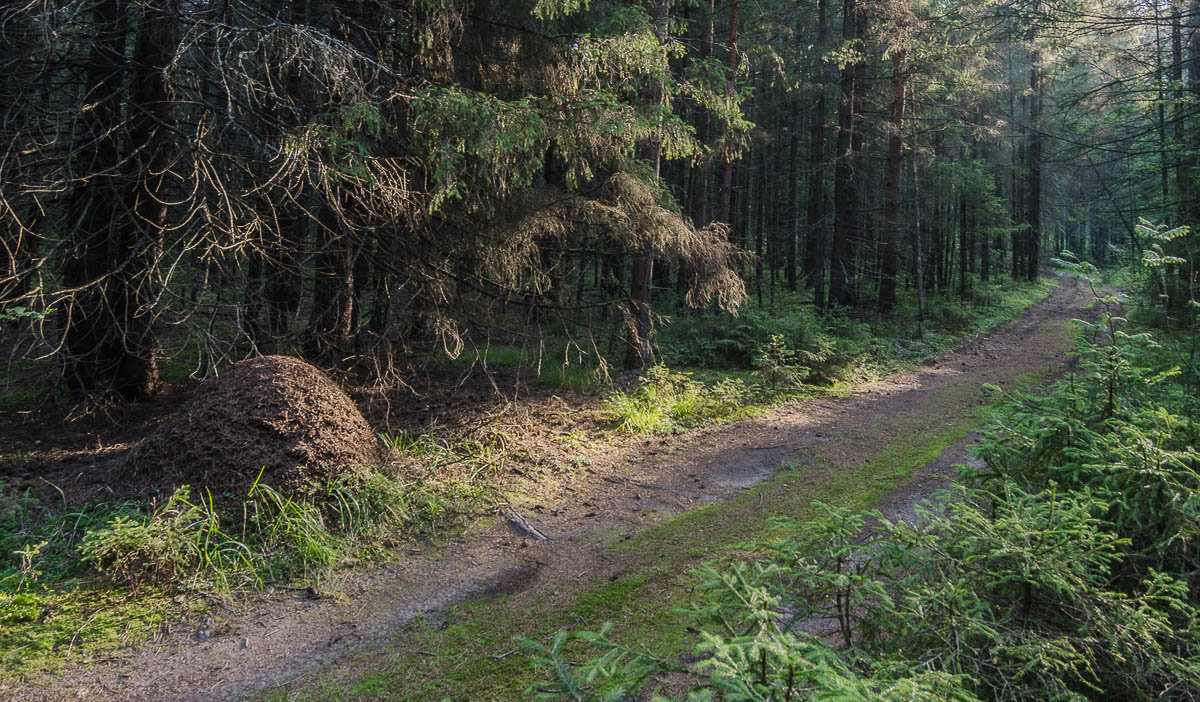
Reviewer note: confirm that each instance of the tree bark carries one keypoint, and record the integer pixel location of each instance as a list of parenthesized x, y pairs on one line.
[(918, 261), (1034, 156), (814, 241), (845, 186), (793, 198), (698, 205), (727, 144), (331, 323), (891, 187), (1191, 211), (91, 341)]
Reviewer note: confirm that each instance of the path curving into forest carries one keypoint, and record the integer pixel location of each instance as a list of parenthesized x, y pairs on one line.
[(621, 515)]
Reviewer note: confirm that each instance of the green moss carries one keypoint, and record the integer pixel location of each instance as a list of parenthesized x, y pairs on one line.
[(46, 630), (460, 658), (608, 600)]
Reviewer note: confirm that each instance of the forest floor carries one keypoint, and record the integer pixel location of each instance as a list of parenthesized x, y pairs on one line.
[(627, 519)]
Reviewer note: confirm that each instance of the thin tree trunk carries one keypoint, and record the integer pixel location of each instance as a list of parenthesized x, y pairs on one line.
[(730, 91), (918, 262), (110, 341), (1034, 155), (331, 323), (1177, 110), (1191, 211), (699, 206), (857, 149), (964, 243), (814, 241), (638, 351), (793, 200), (891, 188), (91, 337), (845, 190)]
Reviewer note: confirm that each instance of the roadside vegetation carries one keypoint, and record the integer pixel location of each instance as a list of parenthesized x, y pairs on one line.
[(83, 580), (1066, 568), (729, 368)]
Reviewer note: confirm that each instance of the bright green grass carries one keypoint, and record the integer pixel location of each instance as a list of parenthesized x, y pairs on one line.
[(57, 608)]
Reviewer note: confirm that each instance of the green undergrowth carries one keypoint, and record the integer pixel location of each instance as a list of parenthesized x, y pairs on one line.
[(825, 347), (765, 353), (470, 654), (1065, 567), (109, 573), (85, 580), (53, 608), (739, 366), (665, 402)]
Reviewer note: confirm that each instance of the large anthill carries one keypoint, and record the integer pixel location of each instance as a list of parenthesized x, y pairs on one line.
[(276, 415)]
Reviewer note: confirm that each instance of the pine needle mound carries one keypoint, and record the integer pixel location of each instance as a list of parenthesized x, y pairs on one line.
[(274, 414)]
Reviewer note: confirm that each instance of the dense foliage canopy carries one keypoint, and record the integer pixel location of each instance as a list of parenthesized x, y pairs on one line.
[(358, 181)]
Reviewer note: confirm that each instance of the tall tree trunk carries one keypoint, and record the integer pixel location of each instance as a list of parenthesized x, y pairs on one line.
[(638, 351), (857, 149), (110, 339), (731, 62), (964, 243), (845, 187), (91, 340), (918, 261), (331, 323), (1182, 194), (698, 205), (759, 217), (152, 121), (814, 240), (1191, 211), (793, 200), (1034, 156), (1164, 167), (891, 187)]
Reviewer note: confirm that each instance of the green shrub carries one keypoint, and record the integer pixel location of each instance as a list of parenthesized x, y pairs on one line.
[(779, 365), (177, 540), (718, 341), (664, 401), (996, 595), (20, 608)]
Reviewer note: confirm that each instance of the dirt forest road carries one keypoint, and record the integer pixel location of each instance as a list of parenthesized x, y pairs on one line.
[(889, 443)]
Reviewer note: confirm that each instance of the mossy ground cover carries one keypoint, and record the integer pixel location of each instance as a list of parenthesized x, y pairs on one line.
[(44, 630)]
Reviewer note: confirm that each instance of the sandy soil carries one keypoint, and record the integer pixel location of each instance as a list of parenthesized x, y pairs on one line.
[(288, 635)]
